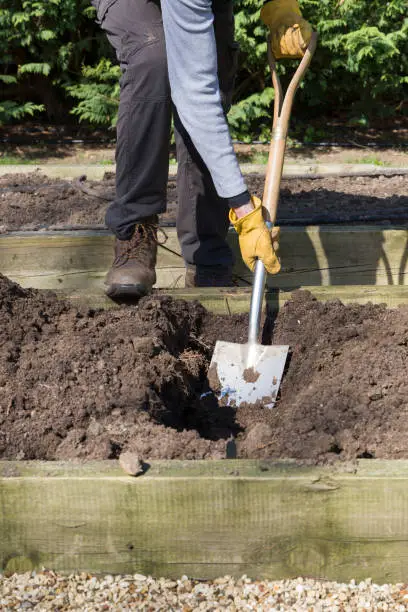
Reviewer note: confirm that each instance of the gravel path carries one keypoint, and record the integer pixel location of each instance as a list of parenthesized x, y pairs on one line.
[(49, 591)]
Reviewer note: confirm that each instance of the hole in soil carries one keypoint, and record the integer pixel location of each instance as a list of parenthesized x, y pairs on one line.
[(115, 450), (366, 455), (336, 449), (231, 449), (210, 420), (287, 365), (272, 308)]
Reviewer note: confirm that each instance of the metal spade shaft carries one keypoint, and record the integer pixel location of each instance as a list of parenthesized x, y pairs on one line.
[(281, 116)]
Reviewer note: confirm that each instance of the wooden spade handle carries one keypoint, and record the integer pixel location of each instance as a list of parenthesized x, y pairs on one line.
[(281, 116)]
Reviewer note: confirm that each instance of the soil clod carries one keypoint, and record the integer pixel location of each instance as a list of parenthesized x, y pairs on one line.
[(250, 375), (131, 464)]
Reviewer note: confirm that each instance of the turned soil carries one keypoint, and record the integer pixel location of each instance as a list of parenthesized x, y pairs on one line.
[(89, 384), (33, 201)]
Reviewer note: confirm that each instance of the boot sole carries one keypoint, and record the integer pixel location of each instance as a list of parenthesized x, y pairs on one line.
[(126, 291)]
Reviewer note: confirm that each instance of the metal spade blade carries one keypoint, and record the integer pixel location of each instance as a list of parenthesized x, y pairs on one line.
[(247, 373)]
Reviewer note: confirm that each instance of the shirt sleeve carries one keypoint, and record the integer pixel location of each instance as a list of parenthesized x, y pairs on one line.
[(192, 64)]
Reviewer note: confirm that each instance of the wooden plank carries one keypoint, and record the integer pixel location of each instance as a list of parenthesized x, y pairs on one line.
[(75, 260), (341, 255), (309, 169), (224, 301), (206, 519), (311, 256), (228, 301)]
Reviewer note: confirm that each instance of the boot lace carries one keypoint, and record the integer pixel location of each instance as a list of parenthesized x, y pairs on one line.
[(139, 246)]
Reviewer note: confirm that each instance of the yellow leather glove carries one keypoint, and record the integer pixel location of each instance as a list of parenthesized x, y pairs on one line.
[(290, 33), (256, 241)]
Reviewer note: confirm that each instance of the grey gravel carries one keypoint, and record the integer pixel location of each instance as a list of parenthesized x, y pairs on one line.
[(47, 590)]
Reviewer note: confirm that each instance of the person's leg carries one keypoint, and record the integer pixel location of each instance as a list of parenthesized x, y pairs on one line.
[(202, 220), (135, 30)]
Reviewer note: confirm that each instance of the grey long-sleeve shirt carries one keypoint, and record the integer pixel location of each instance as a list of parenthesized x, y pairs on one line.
[(192, 64)]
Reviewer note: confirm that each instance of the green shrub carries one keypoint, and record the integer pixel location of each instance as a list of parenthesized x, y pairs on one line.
[(10, 110), (98, 94), (43, 45), (54, 56), (360, 66)]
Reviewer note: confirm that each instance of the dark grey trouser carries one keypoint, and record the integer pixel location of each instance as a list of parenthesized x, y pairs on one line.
[(134, 28)]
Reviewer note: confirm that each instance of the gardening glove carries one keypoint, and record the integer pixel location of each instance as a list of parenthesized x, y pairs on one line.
[(290, 33), (256, 241)]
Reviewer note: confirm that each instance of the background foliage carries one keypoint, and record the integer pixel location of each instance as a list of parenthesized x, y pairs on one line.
[(54, 60)]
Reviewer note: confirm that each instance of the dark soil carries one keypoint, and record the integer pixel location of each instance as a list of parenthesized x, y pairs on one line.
[(90, 384), (34, 201), (345, 390)]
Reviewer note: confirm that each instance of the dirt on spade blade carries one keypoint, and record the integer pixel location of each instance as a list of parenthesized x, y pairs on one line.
[(90, 384)]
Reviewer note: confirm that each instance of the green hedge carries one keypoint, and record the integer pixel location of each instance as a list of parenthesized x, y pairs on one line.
[(56, 60)]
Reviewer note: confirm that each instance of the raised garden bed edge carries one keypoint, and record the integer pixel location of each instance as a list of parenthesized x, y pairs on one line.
[(204, 519)]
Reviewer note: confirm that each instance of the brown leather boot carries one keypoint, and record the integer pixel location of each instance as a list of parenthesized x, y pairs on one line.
[(208, 276), (133, 270)]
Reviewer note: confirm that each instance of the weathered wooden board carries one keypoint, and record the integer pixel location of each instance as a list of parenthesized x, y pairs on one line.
[(228, 301), (206, 519), (311, 169), (311, 256)]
